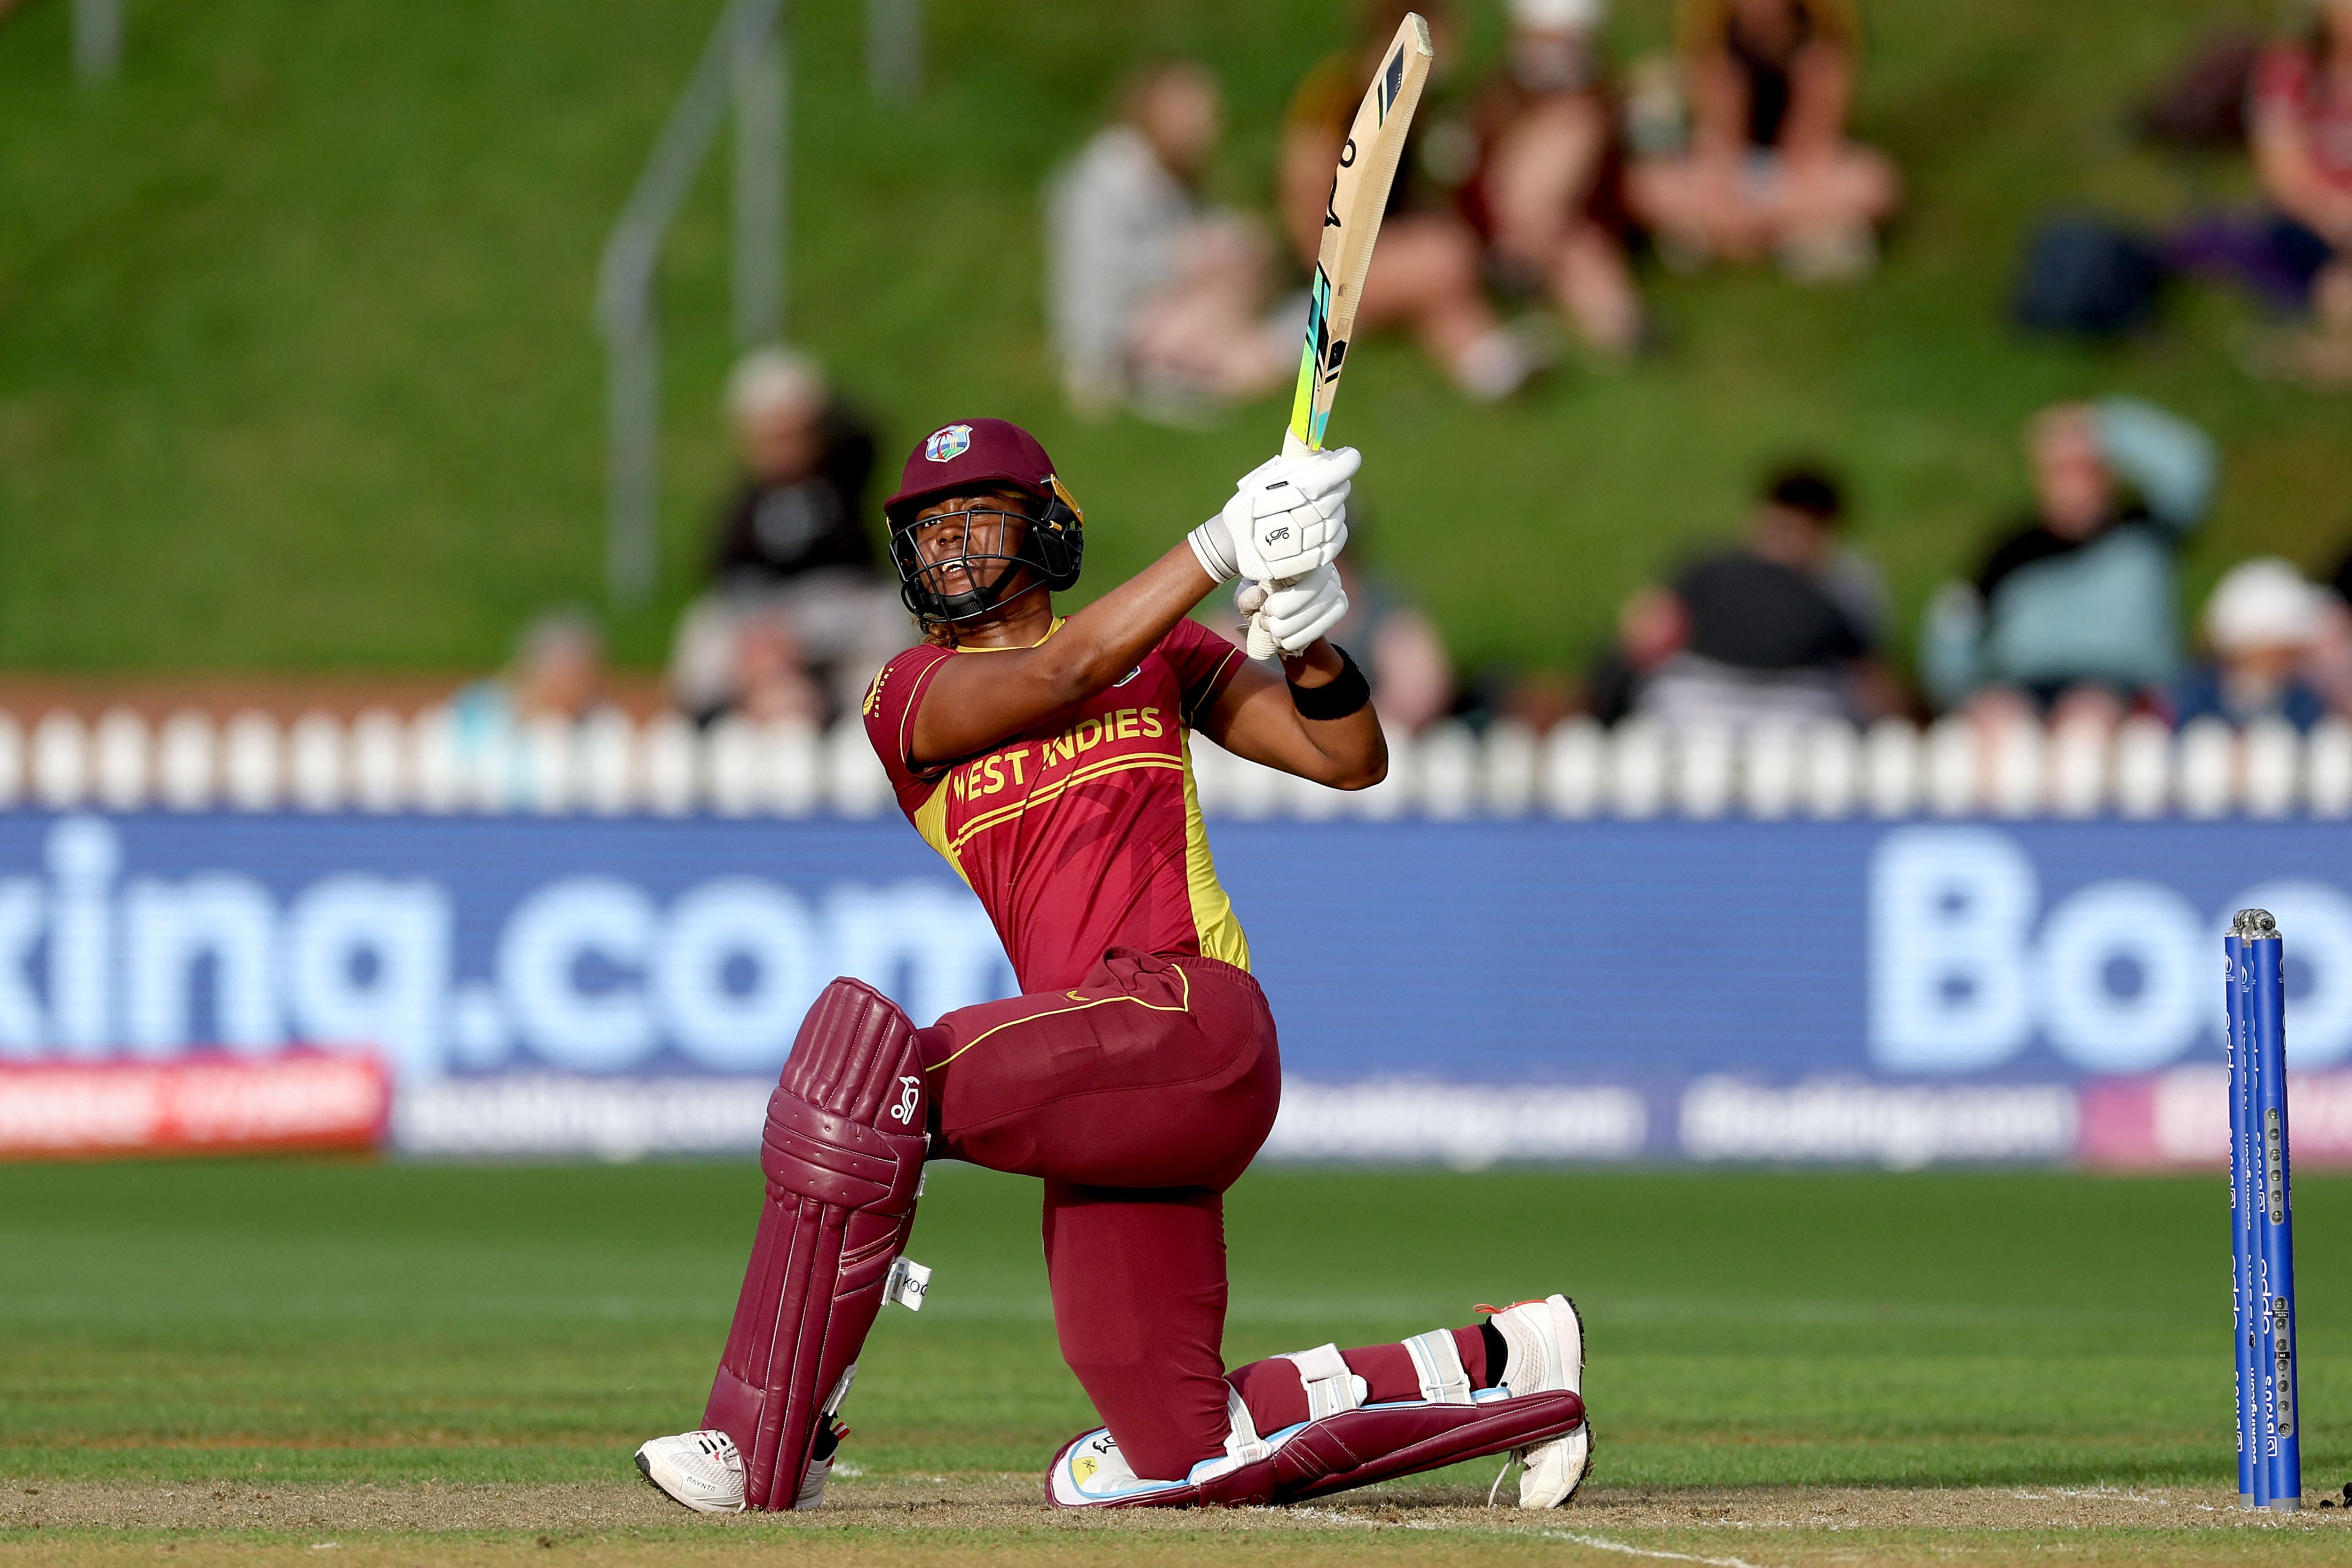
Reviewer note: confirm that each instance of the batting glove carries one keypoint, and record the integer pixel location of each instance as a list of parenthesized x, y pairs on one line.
[(1292, 616), (1290, 515)]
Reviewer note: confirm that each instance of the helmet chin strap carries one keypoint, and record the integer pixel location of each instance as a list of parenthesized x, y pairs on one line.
[(973, 604), (958, 609)]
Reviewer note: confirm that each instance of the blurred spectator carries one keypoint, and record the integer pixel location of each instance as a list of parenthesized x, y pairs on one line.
[(1549, 192), (1768, 168), (2075, 613), (771, 678), (2203, 102), (792, 567), (1425, 273), (2330, 665), (1398, 646), (1152, 295), (1782, 629), (2263, 624), (2303, 151), (557, 677), (557, 673), (799, 507)]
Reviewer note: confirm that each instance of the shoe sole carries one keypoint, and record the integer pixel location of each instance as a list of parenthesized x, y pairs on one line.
[(1577, 1318), (1584, 1471)]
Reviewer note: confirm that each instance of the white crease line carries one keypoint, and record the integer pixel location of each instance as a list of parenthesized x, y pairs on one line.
[(1599, 1543)]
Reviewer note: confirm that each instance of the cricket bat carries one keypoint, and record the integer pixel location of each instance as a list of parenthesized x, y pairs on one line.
[(1351, 222)]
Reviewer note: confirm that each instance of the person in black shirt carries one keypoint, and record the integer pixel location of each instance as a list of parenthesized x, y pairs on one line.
[(1783, 627), (799, 615), (808, 462)]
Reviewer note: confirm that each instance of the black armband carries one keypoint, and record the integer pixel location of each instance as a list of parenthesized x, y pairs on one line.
[(1345, 694)]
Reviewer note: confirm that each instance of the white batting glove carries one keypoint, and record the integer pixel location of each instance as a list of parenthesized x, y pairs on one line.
[(1290, 516), (1293, 615)]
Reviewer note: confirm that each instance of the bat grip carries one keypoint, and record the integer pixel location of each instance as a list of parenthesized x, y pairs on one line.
[(1261, 641)]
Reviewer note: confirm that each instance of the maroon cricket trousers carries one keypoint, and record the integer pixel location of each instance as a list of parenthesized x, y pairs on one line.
[(1138, 1098)]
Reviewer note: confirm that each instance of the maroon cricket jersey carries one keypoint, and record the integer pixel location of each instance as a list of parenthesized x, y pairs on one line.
[(1083, 835)]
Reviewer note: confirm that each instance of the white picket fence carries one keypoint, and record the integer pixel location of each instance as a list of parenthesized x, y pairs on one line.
[(381, 762)]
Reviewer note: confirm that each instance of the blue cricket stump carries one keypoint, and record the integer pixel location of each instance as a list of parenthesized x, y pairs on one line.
[(2236, 981), (2262, 1199)]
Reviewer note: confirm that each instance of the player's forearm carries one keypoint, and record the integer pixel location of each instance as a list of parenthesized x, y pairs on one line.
[(1353, 748), (1258, 718), (1102, 642)]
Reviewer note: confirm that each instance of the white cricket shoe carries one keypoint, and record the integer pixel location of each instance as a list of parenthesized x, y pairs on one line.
[(1546, 1339), (700, 1469)]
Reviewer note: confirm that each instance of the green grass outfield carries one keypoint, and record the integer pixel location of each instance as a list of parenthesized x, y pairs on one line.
[(297, 367), (398, 1323), (246, 1361)]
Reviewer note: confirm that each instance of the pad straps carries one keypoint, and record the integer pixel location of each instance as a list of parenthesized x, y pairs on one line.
[(1242, 1445), (1437, 1359), (1331, 1386)]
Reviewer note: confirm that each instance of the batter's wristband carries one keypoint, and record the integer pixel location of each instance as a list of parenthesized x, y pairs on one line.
[(1345, 694)]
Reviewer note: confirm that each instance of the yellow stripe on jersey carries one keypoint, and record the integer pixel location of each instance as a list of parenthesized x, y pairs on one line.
[(931, 822), (1213, 920), (1046, 792)]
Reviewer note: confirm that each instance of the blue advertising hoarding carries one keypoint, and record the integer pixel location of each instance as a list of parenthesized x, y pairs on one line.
[(1450, 990)]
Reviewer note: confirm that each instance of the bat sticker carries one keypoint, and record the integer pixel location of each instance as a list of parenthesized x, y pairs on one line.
[(1392, 79), (1331, 202)]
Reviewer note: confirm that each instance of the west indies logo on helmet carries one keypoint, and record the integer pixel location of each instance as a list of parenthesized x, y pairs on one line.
[(970, 459)]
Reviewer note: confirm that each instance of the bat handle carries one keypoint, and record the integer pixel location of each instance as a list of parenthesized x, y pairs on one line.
[(1261, 641)]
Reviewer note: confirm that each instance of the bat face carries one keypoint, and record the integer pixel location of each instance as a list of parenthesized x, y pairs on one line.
[(1351, 222)]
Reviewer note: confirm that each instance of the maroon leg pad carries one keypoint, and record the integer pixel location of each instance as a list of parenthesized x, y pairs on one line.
[(1357, 1448), (843, 1153)]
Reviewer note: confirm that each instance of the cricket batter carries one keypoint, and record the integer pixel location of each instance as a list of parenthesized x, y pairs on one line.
[(1045, 758)]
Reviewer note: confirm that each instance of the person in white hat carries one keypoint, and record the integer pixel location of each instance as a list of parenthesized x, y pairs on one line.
[(2262, 623)]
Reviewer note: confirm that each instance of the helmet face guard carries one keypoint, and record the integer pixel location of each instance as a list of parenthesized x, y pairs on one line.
[(1052, 544)]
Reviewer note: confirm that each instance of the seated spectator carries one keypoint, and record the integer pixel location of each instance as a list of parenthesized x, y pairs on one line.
[(1424, 275), (557, 673), (1769, 169), (1650, 630), (1153, 296), (2262, 623), (1782, 629), (2303, 152), (556, 677), (772, 683), (791, 553), (2074, 613), (1549, 192)]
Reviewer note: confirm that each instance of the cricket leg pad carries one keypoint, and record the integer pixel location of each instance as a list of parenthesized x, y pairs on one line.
[(843, 1153), (1353, 1447)]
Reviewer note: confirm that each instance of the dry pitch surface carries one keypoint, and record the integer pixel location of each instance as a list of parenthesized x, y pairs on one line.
[(965, 1518)]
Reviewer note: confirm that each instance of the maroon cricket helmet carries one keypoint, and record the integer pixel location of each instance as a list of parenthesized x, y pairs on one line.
[(964, 457)]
